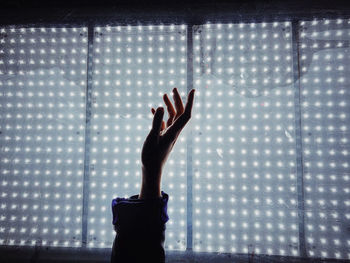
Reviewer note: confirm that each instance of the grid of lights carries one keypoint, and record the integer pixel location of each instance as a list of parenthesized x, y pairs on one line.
[(42, 126), (324, 51), (133, 66), (244, 185), (242, 128)]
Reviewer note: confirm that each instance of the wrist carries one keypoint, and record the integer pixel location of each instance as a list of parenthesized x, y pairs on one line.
[(151, 181), (151, 174), (150, 191)]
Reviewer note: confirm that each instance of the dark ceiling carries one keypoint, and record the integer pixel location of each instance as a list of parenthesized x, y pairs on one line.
[(63, 11)]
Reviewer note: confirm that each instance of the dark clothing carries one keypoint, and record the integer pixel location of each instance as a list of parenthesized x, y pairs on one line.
[(140, 229)]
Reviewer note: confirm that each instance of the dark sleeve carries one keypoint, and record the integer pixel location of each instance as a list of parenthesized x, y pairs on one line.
[(140, 229)]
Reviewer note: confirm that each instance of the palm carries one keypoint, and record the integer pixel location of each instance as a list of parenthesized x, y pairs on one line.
[(156, 153)]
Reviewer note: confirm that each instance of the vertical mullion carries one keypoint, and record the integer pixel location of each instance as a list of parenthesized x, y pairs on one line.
[(189, 141), (298, 137), (86, 186)]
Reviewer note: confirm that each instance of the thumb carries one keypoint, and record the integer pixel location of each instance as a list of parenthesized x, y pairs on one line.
[(157, 121)]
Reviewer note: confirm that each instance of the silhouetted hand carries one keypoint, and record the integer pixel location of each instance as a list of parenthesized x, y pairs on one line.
[(161, 140)]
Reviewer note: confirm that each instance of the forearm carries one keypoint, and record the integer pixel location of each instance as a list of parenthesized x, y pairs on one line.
[(151, 184)]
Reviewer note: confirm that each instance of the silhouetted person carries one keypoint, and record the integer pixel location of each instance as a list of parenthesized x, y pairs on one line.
[(139, 221)]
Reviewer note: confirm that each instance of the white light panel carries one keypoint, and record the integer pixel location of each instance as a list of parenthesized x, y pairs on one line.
[(244, 162), (244, 185), (42, 123), (325, 96), (133, 66)]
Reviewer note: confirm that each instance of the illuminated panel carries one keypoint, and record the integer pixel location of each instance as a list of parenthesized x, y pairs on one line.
[(325, 98), (133, 67), (244, 185), (42, 122)]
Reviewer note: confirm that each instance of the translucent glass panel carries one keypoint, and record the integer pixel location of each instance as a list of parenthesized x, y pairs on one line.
[(325, 96), (42, 124), (133, 67), (244, 185)]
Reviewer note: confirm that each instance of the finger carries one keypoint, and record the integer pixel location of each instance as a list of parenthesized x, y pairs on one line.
[(163, 123), (178, 103), (170, 108), (180, 123), (189, 103), (157, 121)]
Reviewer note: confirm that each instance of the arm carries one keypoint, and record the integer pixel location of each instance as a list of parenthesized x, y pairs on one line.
[(161, 140), (139, 221)]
